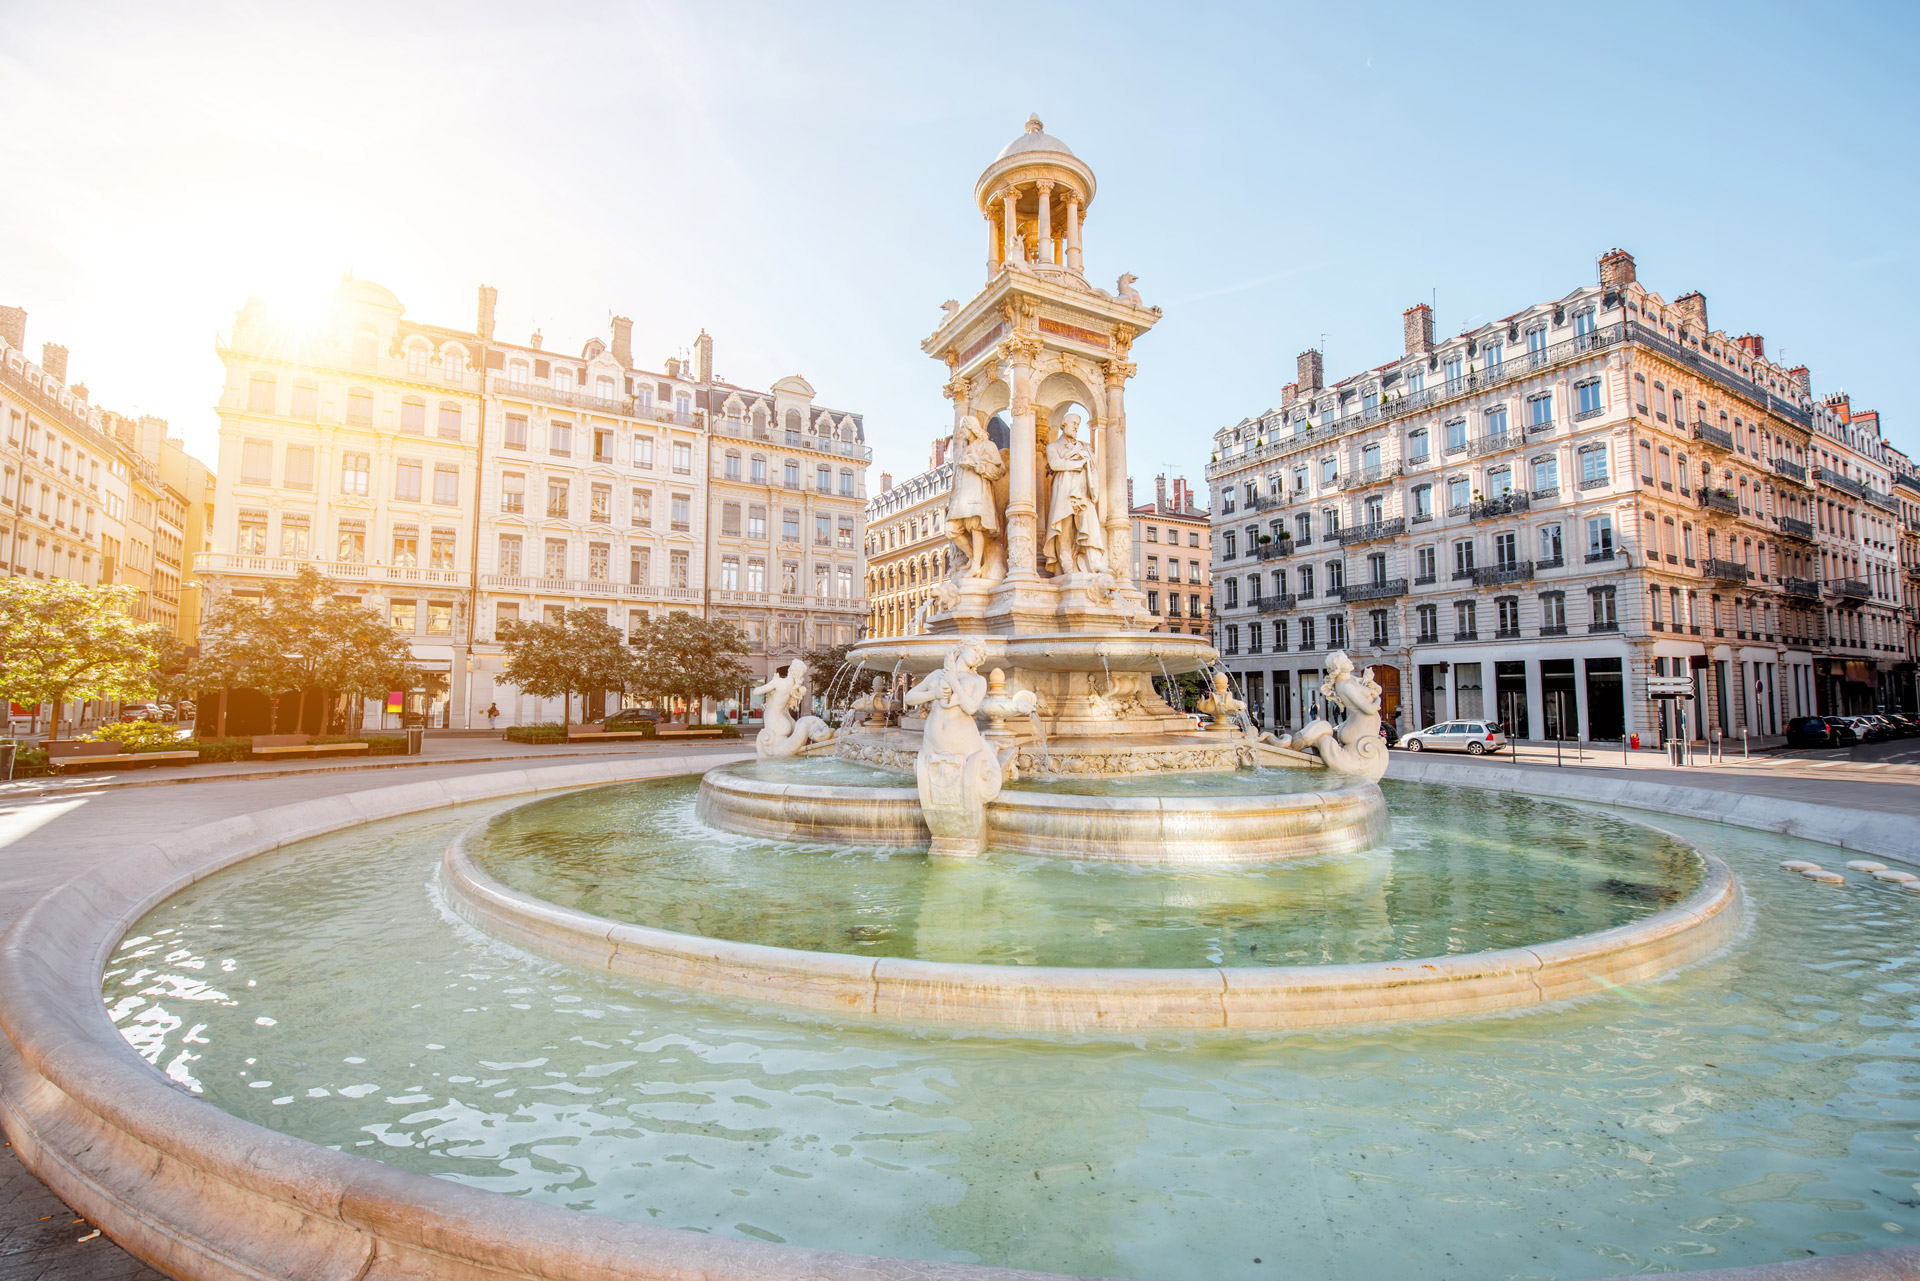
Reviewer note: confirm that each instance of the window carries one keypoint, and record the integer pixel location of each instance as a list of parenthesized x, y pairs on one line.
[(439, 618), (1506, 552), (554, 564), (1495, 352), (1463, 558), (1452, 369), (449, 421), (682, 458), (1425, 565), (1465, 620), (1593, 466), (413, 417), (1587, 398), (1377, 631), (256, 462), (730, 519), (1153, 568), (1499, 481), (506, 617), (560, 439), (404, 614), (1537, 343), (843, 578), (790, 526), (846, 483), (640, 566), (790, 578), (679, 513), (1228, 546), (1599, 538), (440, 549), (406, 480), (643, 451), (1423, 502), (1306, 633), (1497, 423), (1459, 494), (757, 469), (1540, 411), (1303, 529), (1337, 631), (1550, 551), (600, 501), (306, 401), (261, 391), (1601, 602), (1546, 476), (757, 523), (453, 366), (557, 498), (516, 431), (1583, 324), (513, 492), (1553, 613), (1233, 631), (1306, 583), (295, 537), (446, 485), (642, 514), (1233, 593), (1329, 470), (1429, 616), (822, 529), (352, 545), (846, 533), (406, 546), (298, 467), (253, 534), (822, 582), (597, 562)]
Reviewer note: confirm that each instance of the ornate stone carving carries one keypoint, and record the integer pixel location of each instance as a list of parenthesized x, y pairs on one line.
[(958, 772), (1221, 704), (870, 709), (952, 308), (1126, 290), (1076, 539), (1118, 371), (973, 517), (783, 735), (1356, 747)]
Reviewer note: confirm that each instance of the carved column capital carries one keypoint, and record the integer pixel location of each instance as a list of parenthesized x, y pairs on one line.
[(958, 389), (1118, 371), (1021, 348), (1123, 336)]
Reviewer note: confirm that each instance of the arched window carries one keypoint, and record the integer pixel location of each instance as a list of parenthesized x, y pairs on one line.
[(563, 379), (603, 387), (793, 420)]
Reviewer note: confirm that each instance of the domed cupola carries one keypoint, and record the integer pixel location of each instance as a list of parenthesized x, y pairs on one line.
[(1034, 197)]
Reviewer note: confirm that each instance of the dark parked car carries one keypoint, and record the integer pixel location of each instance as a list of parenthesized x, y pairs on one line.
[(1872, 729), (1390, 732), (1853, 725), (632, 718), (1819, 731), (1905, 724)]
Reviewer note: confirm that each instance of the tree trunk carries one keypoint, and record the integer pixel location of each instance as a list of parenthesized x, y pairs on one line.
[(220, 728), (53, 723)]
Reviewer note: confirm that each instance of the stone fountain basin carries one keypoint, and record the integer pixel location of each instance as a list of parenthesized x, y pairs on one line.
[(1346, 816), (1144, 652)]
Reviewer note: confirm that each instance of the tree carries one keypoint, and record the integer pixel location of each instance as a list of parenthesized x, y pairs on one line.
[(680, 656), (297, 634), (576, 655), (61, 640)]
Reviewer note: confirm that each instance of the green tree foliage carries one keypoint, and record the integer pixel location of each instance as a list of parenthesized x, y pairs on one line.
[(579, 654), (61, 640), (680, 656), (299, 635)]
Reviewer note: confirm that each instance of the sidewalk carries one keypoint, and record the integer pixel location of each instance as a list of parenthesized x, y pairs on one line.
[(1775, 765)]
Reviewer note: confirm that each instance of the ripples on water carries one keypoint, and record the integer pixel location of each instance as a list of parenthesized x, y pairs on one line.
[(1761, 1107)]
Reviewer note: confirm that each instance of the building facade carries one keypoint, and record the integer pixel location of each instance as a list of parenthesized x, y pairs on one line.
[(908, 552), (1528, 520), (1172, 555), (456, 482)]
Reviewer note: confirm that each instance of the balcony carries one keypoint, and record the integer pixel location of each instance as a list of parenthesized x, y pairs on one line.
[(1551, 491), (1553, 629), (1467, 636), (1378, 474), (1715, 372), (1845, 484), (1594, 482), (1792, 471), (1603, 627), (1850, 589), (1605, 553), (1725, 571), (740, 429), (1717, 437), (1803, 530), (1273, 550), (585, 587), (1376, 591), (348, 571), (1717, 501), (1495, 508), (1803, 588), (1494, 444), (1266, 502), (1885, 502), (1500, 575), (1540, 429), (1586, 414), (1372, 531), (1274, 604)]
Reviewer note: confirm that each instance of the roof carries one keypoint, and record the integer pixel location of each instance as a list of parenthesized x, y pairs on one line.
[(1034, 139)]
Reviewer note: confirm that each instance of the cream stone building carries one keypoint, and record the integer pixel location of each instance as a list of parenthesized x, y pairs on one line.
[(1906, 491), (1172, 551), (456, 481), (1526, 521), (908, 551), (1866, 656)]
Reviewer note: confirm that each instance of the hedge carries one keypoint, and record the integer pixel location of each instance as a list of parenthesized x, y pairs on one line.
[(545, 734)]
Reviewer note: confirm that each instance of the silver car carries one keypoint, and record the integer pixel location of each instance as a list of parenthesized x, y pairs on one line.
[(1471, 737)]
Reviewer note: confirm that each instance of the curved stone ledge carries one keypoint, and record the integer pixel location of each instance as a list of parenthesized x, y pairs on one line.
[(1347, 815), (1078, 999), (201, 1194)]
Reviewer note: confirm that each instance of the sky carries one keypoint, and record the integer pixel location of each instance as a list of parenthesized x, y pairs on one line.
[(797, 181)]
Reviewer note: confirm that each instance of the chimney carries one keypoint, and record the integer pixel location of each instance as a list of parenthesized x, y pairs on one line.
[(79, 391), (623, 341), (535, 341), (703, 358), (1417, 321), (1160, 492), (1616, 269), (1841, 404), (152, 433), (489, 296), (53, 359), (13, 327), (1312, 372), (1693, 311), (1289, 394), (1754, 345), (886, 481), (940, 451)]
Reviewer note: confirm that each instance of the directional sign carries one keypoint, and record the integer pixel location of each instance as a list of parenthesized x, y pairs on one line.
[(1670, 684)]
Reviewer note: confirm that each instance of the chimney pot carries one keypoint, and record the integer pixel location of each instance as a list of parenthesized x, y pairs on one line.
[(1692, 309), (53, 359), (1754, 344), (1417, 322), (1289, 394), (1311, 371), (535, 341), (1802, 379), (703, 358), (1160, 492), (886, 481), (1616, 269), (13, 327), (489, 297)]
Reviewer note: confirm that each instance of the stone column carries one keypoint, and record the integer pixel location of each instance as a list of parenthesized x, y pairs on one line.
[(1010, 225), (995, 242), (1044, 225), (1073, 230), (1019, 352), (1113, 467)]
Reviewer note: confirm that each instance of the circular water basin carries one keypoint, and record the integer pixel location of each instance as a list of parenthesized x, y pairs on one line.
[(1760, 1108)]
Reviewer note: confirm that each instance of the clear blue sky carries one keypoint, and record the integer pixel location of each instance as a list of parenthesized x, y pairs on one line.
[(796, 179)]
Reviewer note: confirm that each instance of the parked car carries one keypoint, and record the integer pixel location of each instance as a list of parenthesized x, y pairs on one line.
[(1905, 724), (1853, 726), (1819, 731), (632, 718), (1471, 737), (1390, 732), (1872, 729), (142, 712)]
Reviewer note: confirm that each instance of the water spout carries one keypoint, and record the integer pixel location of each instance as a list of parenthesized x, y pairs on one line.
[(1040, 737)]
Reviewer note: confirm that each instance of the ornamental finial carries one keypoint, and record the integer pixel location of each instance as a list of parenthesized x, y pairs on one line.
[(1033, 123)]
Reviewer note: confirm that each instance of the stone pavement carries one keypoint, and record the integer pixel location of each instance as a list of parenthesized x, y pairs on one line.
[(51, 831)]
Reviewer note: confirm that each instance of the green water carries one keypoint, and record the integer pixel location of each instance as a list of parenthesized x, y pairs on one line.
[(1460, 873), (1763, 1106)]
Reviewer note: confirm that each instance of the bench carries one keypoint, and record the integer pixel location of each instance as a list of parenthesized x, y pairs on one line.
[(64, 753), (694, 731), (271, 746), (598, 732)]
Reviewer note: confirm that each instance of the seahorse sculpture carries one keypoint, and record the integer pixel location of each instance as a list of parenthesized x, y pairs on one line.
[(783, 735), (1356, 746)]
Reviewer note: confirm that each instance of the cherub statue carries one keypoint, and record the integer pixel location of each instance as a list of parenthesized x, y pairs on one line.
[(1356, 747), (973, 519), (1076, 539), (1221, 703), (782, 735)]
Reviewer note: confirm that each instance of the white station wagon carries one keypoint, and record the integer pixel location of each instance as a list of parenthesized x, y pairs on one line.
[(1471, 737)]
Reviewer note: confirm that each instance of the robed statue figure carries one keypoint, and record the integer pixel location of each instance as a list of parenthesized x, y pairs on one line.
[(1076, 539)]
